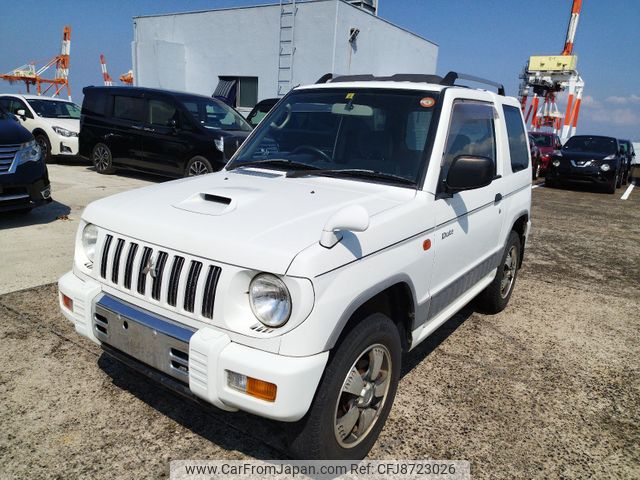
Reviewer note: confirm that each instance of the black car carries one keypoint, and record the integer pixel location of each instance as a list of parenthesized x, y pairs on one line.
[(24, 180), (168, 133), (588, 159), (629, 153), (260, 110)]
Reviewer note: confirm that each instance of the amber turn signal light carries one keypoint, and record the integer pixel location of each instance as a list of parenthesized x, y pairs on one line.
[(67, 302)]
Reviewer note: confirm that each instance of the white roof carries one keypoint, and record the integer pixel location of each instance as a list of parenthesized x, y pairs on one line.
[(34, 97)]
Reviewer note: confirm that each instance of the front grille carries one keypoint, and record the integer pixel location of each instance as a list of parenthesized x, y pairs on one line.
[(179, 284), (7, 155)]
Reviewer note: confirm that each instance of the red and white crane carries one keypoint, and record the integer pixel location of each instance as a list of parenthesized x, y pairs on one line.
[(106, 78), (31, 75), (545, 76)]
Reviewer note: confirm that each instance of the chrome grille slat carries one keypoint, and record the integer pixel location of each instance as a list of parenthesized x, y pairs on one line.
[(142, 276), (157, 280), (192, 284), (172, 293), (105, 255), (128, 269), (210, 291), (116, 260)]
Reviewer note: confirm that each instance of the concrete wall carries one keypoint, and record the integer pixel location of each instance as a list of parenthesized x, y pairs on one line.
[(190, 51)]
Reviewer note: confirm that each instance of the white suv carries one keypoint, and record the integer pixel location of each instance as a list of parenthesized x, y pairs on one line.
[(356, 219), (54, 122)]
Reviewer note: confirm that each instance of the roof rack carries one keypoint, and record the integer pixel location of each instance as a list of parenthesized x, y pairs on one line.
[(448, 80)]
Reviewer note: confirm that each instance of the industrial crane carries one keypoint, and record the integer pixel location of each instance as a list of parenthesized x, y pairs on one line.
[(126, 78), (548, 75), (30, 75)]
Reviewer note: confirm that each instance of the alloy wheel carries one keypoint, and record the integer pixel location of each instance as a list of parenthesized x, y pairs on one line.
[(42, 143), (509, 271), (101, 157), (362, 396), (198, 168)]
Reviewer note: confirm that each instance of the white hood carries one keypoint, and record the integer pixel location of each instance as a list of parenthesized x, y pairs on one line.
[(71, 124), (251, 219)]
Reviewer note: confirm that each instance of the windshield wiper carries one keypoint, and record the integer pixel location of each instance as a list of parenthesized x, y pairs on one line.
[(278, 162), (353, 172)]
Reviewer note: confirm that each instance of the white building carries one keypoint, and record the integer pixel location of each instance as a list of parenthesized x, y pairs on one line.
[(252, 53)]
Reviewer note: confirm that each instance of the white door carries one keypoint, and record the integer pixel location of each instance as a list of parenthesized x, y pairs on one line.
[(468, 223)]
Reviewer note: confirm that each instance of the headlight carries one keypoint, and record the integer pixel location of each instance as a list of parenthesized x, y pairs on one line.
[(89, 240), (556, 163), (610, 157), (219, 144), (605, 167), (64, 132), (270, 300), (29, 152)]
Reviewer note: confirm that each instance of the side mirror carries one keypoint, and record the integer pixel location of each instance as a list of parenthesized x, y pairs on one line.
[(354, 218), (21, 113), (468, 173)]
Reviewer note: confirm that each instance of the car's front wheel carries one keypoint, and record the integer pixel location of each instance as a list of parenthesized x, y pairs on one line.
[(198, 166), (102, 159), (45, 147), (355, 394)]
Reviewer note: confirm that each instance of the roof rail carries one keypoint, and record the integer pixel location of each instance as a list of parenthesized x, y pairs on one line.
[(451, 77), (398, 77)]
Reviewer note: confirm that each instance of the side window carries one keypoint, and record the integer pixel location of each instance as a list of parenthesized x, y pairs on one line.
[(4, 103), (16, 105), (129, 108), (517, 138), (160, 112), (471, 132), (94, 103)]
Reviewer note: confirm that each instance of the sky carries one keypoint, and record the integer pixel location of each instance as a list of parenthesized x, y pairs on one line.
[(487, 38)]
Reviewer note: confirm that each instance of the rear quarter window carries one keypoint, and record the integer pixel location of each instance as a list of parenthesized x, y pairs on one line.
[(517, 138)]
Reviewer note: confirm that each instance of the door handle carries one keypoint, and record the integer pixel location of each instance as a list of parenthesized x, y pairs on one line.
[(498, 198), (137, 127)]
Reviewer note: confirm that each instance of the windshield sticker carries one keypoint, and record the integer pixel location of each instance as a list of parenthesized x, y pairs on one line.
[(427, 102), (350, 96)]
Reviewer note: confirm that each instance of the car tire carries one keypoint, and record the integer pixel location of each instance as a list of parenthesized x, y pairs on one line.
[(625, 177), (345, 399), (535, 169), (102, 159), (495, 297), (197, 166), (611, 186), (619, 180), (45, 147)]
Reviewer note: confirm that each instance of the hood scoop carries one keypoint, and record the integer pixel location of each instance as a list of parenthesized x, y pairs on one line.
[(207, 203)]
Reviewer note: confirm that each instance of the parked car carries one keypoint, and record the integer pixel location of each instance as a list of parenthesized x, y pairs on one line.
[(54, 122), (536, 158), (548, 143), (629, 153), (260, 110), (588, 159), (24, 181), (167, 133), (356, 219)]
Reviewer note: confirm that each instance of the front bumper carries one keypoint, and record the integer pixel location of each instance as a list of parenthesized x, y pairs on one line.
[(64, 146), (198, 359), (591, 175), (27, 187)]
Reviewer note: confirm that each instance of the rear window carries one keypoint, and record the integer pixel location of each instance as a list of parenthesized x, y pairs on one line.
[(517, 138), (129, 108)]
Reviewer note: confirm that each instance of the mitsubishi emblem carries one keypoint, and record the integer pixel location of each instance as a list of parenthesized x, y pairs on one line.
[(150, 267)]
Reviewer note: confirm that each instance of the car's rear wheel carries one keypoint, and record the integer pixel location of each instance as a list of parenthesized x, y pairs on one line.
[(102, 159), (495, 297), (198, 166), (619, 180), (355, 394), (45, 147)]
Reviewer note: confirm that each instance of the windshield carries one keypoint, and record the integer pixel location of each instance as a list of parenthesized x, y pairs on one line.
[(215, 115), (591, 144), (383, 131), (55, 109), (541, 140)]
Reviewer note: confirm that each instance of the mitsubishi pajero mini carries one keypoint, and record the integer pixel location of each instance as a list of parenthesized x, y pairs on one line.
[(359, 216)]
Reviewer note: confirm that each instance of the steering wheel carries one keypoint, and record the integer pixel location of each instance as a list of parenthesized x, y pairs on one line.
[(312, 149)]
